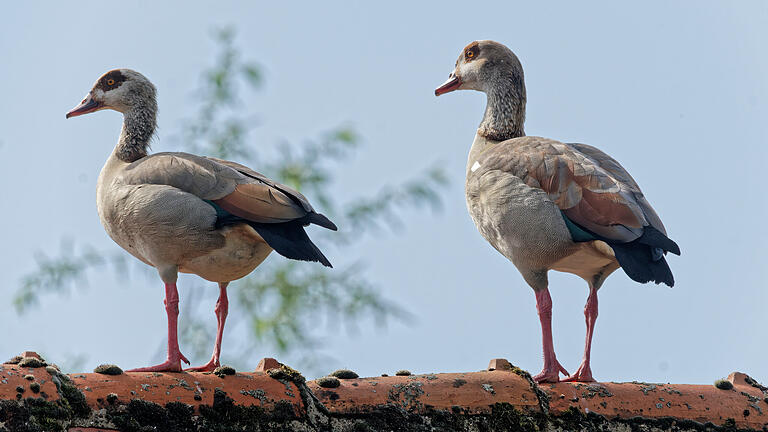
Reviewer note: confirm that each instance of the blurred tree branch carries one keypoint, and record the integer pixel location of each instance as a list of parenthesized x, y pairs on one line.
[(278, 302), (60, 274)]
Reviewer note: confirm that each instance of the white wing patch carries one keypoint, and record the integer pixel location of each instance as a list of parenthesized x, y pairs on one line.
[(475, 166)]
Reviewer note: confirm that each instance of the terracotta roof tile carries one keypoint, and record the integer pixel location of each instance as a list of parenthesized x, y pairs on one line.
[(280, 396)]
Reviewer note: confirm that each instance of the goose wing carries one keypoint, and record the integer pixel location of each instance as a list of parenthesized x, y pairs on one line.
[(234, 187), (590, 188)]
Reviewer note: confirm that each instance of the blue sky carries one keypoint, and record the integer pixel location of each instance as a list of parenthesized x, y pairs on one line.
[(677, 92)]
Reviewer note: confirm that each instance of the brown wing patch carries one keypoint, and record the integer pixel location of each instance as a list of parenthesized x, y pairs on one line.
[(290, 192), (601, 200), (609, 209), (260, 203)]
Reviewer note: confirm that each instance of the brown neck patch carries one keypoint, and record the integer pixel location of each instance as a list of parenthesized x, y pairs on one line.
[(111, 80)]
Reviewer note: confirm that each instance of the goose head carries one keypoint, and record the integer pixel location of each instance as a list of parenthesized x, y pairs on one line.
[(121, 90), (484, 66)]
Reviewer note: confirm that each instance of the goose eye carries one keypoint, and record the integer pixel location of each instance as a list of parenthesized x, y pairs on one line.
[(110, 82)]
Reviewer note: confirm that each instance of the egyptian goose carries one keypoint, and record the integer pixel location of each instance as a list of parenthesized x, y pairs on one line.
[(180, 212), (547, 205)]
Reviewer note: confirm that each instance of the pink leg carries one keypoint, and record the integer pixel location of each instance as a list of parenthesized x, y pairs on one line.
[(584, 373), (552, 368), (222, 308), (173, 364)]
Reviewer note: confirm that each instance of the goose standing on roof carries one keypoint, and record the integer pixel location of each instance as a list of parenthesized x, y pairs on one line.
[(547, 205), (184, 213)]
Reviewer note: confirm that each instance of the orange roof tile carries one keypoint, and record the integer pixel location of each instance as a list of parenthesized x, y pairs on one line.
[(278, 396)]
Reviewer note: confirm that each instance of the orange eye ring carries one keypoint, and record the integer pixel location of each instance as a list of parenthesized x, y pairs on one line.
[(110, 82), (470, 54)]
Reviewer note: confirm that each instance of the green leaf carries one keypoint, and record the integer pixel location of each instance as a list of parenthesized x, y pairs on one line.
[(253, 74)]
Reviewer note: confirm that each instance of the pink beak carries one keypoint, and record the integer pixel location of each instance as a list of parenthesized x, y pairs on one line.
[(88, 105), (452, 84)]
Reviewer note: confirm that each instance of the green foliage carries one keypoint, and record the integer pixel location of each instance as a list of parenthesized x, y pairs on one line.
[(272, 300), (59, 274), (210, 131), (278, 302)]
